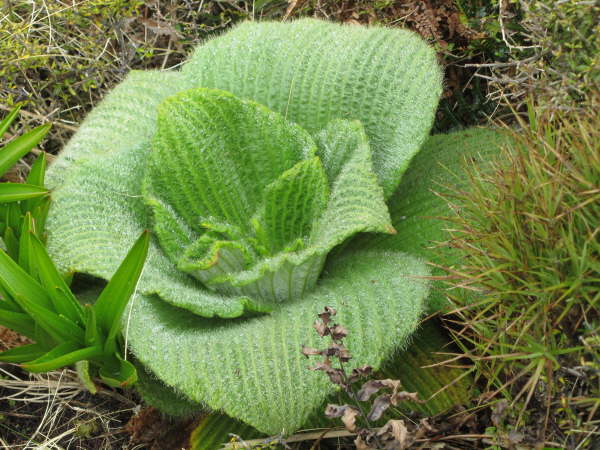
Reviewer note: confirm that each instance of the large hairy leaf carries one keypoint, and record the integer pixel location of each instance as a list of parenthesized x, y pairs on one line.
[(98, 210), (123, 121), (224, 153), (252, 368), (313, 72), (418, 209)]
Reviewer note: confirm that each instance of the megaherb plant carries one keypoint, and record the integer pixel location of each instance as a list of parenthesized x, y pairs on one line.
[(35, 299), (255, 166)]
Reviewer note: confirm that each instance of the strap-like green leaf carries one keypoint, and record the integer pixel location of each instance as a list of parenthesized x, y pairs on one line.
[(36, 177), (313, 72), (123, 375), (13, 216), (38, 171), (14, 192), (6, 302), (246, 367), (22, 354), (17, 282), (57, 326), (40, 214), (92, 334), (25, 251), (114, 297), (17, 321), (61, 356), (63, 299), (11, 242), (83, 372), (10, 117), (19, 147)]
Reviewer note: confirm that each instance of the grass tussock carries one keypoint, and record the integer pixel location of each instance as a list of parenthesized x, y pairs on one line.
[(529, 234)]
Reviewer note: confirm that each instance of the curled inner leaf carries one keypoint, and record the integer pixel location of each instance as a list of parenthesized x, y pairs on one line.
[(246, 202)]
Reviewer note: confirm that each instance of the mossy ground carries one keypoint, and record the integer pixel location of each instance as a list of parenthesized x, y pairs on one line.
[(60, 57)]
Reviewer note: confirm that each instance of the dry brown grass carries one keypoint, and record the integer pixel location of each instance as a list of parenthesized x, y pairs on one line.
[(54, 411)]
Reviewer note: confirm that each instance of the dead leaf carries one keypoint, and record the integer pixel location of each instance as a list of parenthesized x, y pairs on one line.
[(405, 396), (335, 375), (309, 351), (395, 434), (161, 28), (339, 351), (380, 405), (338, 332), (359, 372), (360, 444), (346, 412), (321, 327), (498, 413), (368, 389)]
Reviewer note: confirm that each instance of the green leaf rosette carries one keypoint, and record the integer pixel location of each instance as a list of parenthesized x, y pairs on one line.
[(255, 167)]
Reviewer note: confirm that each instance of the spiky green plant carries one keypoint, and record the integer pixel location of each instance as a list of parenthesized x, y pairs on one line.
[(527, 235), (18, 199), (36, 301), (255, 165)]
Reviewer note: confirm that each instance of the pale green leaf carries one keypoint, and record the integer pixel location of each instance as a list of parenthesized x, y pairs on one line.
[(124, 120), (248, 366), (417, 209), (313, 72), (163, 397), (14, 192), (98, 211), (356, 202), (224, 152), (290, 205)]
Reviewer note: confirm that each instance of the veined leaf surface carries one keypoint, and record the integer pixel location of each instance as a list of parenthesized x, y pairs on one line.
[(313, 72), (252, 368), (416, 208)]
